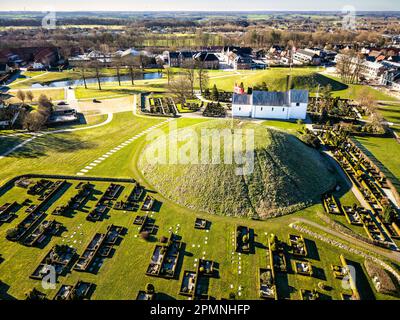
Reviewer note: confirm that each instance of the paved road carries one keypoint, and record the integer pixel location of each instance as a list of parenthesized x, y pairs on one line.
[(393, 255)]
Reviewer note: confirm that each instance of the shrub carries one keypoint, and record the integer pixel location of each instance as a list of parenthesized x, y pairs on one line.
[(163, 239), (150, 288), (145, 235)]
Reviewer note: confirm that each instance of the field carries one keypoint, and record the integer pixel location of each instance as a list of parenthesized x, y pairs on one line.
[(386, 152), (122, 275)]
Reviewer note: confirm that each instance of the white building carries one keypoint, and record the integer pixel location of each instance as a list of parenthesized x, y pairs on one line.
[(370, 70), (271, 105), (307, 56)]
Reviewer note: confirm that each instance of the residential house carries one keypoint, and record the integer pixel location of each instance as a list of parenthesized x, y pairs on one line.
[(271, 105), (370, 70), (307, 57), (173, 59), (4, 68), (208, 60), (238, 58), (186, 57)]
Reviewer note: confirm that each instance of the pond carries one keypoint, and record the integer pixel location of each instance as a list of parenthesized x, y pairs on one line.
[(79, 82)]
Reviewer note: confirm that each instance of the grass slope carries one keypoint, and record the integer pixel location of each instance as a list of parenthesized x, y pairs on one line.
[(287, 175)]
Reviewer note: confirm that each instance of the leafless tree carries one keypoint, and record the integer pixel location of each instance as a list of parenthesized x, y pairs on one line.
[(29, 96), (180, 88), (96, 65), (21, 96), (190, 72), (202, 76)]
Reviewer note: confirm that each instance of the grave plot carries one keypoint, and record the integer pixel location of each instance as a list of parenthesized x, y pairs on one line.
[(303, 268), (40, 186), (331, 205), (165, 258), (99, 248), (202, 224), (7, 212), (267, 285), (188, 285), (60, 257), (131, 202), (309, 294), (244, 240), (277, 254), (26, 225), (298, 245), (146, 224), (43, 232), (105, 203), (372, 230), (207, 268), (90, 252), (354, 215), (77, 201), (343, 273), (195, 284), (143, 295), (80, 291), (148, 203), (113, 192)]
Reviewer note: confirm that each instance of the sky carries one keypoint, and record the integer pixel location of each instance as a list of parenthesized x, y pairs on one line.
[(197, 5)]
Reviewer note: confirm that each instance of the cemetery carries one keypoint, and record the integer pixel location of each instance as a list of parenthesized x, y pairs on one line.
[(80, 291), (60, 257), (368, 179), (167, 259)]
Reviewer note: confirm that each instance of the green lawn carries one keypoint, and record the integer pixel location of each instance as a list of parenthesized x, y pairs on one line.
[(122, 276), (52, 94), (386, 150), (391, 112), (387, 153)]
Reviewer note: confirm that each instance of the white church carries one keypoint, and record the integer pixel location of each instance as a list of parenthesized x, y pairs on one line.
[(289, 105)]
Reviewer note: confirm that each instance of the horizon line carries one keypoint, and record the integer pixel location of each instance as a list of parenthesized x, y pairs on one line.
[(200, 10)]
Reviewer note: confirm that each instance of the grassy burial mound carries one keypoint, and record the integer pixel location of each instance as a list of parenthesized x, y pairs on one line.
[(286, 176)]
